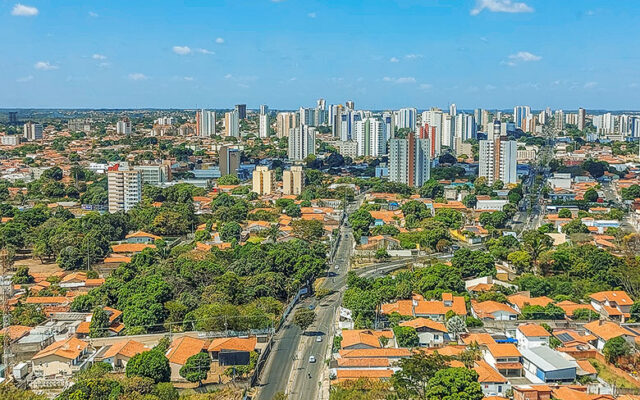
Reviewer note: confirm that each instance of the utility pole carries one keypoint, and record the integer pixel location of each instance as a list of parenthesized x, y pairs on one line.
[(4, 260)]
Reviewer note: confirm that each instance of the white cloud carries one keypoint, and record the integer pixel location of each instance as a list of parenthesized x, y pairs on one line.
[(138, 76), (509, 63), (590, 85), (188, 78), (506, 6), (401, 80), (312, 15), (394, 60), (524, 56), (228, 76), (99, 57), (20, 10), (44, 66), (204, 51), (293, 79), (426, 86), (25, 79), (93, 14), (219, 40), (413, 56), (181, 50)]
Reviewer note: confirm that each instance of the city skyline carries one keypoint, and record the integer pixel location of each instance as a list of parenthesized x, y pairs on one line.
[(386, 54)]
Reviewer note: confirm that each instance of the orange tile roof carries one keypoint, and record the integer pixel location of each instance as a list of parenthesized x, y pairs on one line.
[(127, 348), (606, 330), (402, 307), (351, 337), (15, 332), (184, 347), (83, 327), (233, 343), (566, 393), (479, 338), (487, 308), (433, 307), (586, 366), (619, 296), (570, 307), (348, 374), (131, 247), (425, 323), (375, 353), (533, 330), (141, 234), (69, 348), (47, 300), (487, 374), (503, 350), (116, 259), (521, 300), (363, 362)]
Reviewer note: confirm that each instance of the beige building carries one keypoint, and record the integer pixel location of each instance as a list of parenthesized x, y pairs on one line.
[(125, 188), (293, 180), (285, 122), (63, 358), (264, 180)]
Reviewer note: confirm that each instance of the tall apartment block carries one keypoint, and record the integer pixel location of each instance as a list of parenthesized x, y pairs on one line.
[(32, 131), (125, 188), (409, 160), (264, 180), (293, 181)]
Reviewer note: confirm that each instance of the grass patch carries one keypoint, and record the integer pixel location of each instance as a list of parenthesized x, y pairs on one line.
[(610, 376)]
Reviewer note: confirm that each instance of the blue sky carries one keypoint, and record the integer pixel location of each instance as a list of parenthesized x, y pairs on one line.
[(287, 53)]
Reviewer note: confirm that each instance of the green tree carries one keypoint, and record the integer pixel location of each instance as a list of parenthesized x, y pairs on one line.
[(449, 217), (564, 213), (22, 276), (575, 226), (412, 380), (228, 180), (431, 189), (151, 364), (99, 323), (615, 348), (454, 384), (534, 243), (406, 336), (591, 195), (196, 368), (521, 260), (360, 222), (473, 263), (303, 317), (308, 230), (381, 255), (456, 325)]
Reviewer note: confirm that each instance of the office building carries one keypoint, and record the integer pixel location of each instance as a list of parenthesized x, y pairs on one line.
[(302, 142), (241, 109), (154, 175), (13, 118), (264, 180), (206, 123), (229, 160), (264, 121), (124, 187), (409, 160), (286, 121), (293, 181), (389, 125), (581, 119), (520, 114), (232, 124), (498, 160), (32, 131), (371, 138)]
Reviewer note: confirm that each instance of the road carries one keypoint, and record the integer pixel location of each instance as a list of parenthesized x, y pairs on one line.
[(288, 367)]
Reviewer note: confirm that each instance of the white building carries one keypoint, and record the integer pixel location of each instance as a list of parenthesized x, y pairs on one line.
[(498, 160), (206, 123), (125, 188), (232, 123), (409, 160), (264, 121), (123, 127), (302, 142), (32, 131), (371, 138)]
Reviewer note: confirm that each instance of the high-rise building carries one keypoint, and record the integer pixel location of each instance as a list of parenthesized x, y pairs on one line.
[(370, 136), (264, 180), (229, 160), (308, 116), (302, 142), (13, 118), (406, 118), (264, 121), (558, 119), (350, 105), (448, 131), (241, 109), (581, 119), (389, 125), (498, 160), (154, 174), (32, 131), (453, 110), (232, 123), (520, 114), (123, 127), (409, 160), (335, 119), (292, 180), (285, 122), (124, 188), (434, 119), (465, 127), (206, 123)]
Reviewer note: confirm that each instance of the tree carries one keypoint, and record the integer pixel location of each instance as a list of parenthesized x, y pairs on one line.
[(473, 263), (615, 348), (406, 336), (293, 210), (575, 226), (228, 180), (564, 213), (303, 317), (412, 380), (99, 323), (456, 325), (470, 200), (534, 243), (230, 231), (22, 276), (449, 217), (381, 255), (454, 384), (521, 260), (196, 368), (152, 364), (431, 189), (70, 258), (308, 230), (360, 222), (591, 195)]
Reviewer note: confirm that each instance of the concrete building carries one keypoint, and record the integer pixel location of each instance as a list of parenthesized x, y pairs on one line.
[(32, 131), (206, 123), (154, 174), (264, 121), (124, 188), (302, 142), (293, 181), (406, 118), (542, 364), (581, 118), (264, 180), (498, 160), (286, 121), (10, 140), (229, 159), (123, 127), (409, 160), (232, 124), (371, 138), (241, 109)]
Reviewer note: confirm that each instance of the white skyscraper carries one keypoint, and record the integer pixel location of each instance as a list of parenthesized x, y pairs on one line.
[(498, 160), (124, 188), (32, 131), (206, 123), (302, 142), (453, 110), (370, 136), (448, 125), (407, 118), (123, 127), (264, 121), (520, 114), (232, 123), (409, 160)]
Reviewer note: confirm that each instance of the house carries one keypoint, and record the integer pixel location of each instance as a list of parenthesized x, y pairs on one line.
[(366, 374), (570, 307), (532, 392), (231, 344), (364, 339), (114, 328), (605, 330), (431, 333), (504, 357), (432, 309), (572, 340), (493, 384), (519, 300), (181, 349), (493, 310), (542, 364), (62, 358), (141, 237), (478, 338), (392, 354), (131, 248), (578, 393), (532, 335), (614, 304), (119, 353)]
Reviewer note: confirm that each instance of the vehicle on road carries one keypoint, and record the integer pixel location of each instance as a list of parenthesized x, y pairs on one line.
[(312, 359)]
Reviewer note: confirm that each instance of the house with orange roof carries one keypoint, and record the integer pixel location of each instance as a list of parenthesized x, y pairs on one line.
[(353, 339), (519, 300), (115, 324), (64, 358), (605, 330), (578, 393), (131, 248), (231, 344), (15, 332), (393, 354), (493, 310), (119, 353), (384, 217), (573, 341), (181, 349), (532, 335), (532, 392), (491, 381), (570, 307), (504, 357), (361, 363), (364, 374), (430, 333), (141, 237), (437, 309), (116, 259), (613, 304), (478, 338)]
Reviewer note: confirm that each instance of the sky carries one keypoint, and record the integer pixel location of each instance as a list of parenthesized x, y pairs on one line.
[(382, 54)]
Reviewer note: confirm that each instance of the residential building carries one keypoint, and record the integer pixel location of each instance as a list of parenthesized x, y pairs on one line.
[(614, 304), (264, 180), (292, 180), (10, 140), (206, 123), (430, 333), (493, 310), (123, 127), (302, 142), (229, 159), (370, 137), (124, 188), (232, 124), (241, 109), (32, 131), (491, 381), (409, 160), (532, 335), (603, 331), (154, 174), (581, 118), (406, 118), (119, 353), (505, 358), (79, 125), (542, 364), (264, 121), (520, 115), (498, 160), (286, 121), (64, 357), (181, 349)]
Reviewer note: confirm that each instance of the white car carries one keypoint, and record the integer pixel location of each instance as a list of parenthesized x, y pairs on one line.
[(318, 338), (312, 359)]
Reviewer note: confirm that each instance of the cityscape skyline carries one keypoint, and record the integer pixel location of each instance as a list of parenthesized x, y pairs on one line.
[(385, 55)]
